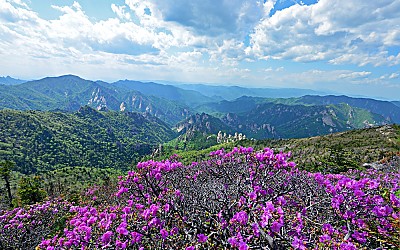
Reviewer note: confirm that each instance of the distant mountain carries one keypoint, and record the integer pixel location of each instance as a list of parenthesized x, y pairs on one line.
[(239, 105), (385, 108), (169, 92), (41, 141), (70, 92), (388, 110), (7, 80), (271, 120), (233, 92), (259, 119), (397, 103), (173, 104)]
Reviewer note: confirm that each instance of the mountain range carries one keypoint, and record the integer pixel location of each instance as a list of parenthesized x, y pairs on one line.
[(271, 120), (69, 93), (233, 92), (256, 112)]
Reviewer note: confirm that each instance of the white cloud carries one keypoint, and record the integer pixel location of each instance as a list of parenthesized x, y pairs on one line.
[(342, 31), (12, 13), (394, 76), (355, 75), (230, 52), (270, 69), (120, 12), (74, 42), (208, 17)]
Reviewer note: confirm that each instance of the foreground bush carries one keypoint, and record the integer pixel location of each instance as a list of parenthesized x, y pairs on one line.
[(25, 228), (240, 199)]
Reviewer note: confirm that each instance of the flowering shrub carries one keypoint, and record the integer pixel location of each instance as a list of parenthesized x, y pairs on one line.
[(25, 228), (239, 199)]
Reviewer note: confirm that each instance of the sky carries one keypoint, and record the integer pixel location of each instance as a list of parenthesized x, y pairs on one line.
[(342, 46)]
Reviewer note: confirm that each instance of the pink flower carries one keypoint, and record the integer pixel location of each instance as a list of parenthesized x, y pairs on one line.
[(256, 230), (324, 238), (122, 229), (328, 228), (276, 227), (136, 237), (233, 242), (121, 244), (243, 246), (106, 237), (240, 217), (174, 231), (297, 243), (347, 246), (166, 207), (253, 196), (202, 238), (164, 233), (360, 237)]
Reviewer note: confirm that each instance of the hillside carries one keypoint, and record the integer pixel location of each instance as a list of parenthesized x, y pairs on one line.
[(42, 141), (203, 123), (353, 147), (284, 121), (397, 103), (321, 153), (68, 182), (70, 92)]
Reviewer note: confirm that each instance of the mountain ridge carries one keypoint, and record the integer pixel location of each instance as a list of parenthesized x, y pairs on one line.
[(70, 92), (8, 80), (173, 105), (276, 120)]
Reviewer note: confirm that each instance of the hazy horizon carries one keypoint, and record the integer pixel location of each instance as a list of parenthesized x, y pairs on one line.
[(180, 84)]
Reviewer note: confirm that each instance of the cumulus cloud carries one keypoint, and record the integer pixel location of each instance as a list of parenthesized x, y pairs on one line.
[(209, 17), (342, 31), (14, 11)]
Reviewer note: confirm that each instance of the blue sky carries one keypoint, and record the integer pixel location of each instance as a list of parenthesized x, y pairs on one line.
[(343, 46)]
